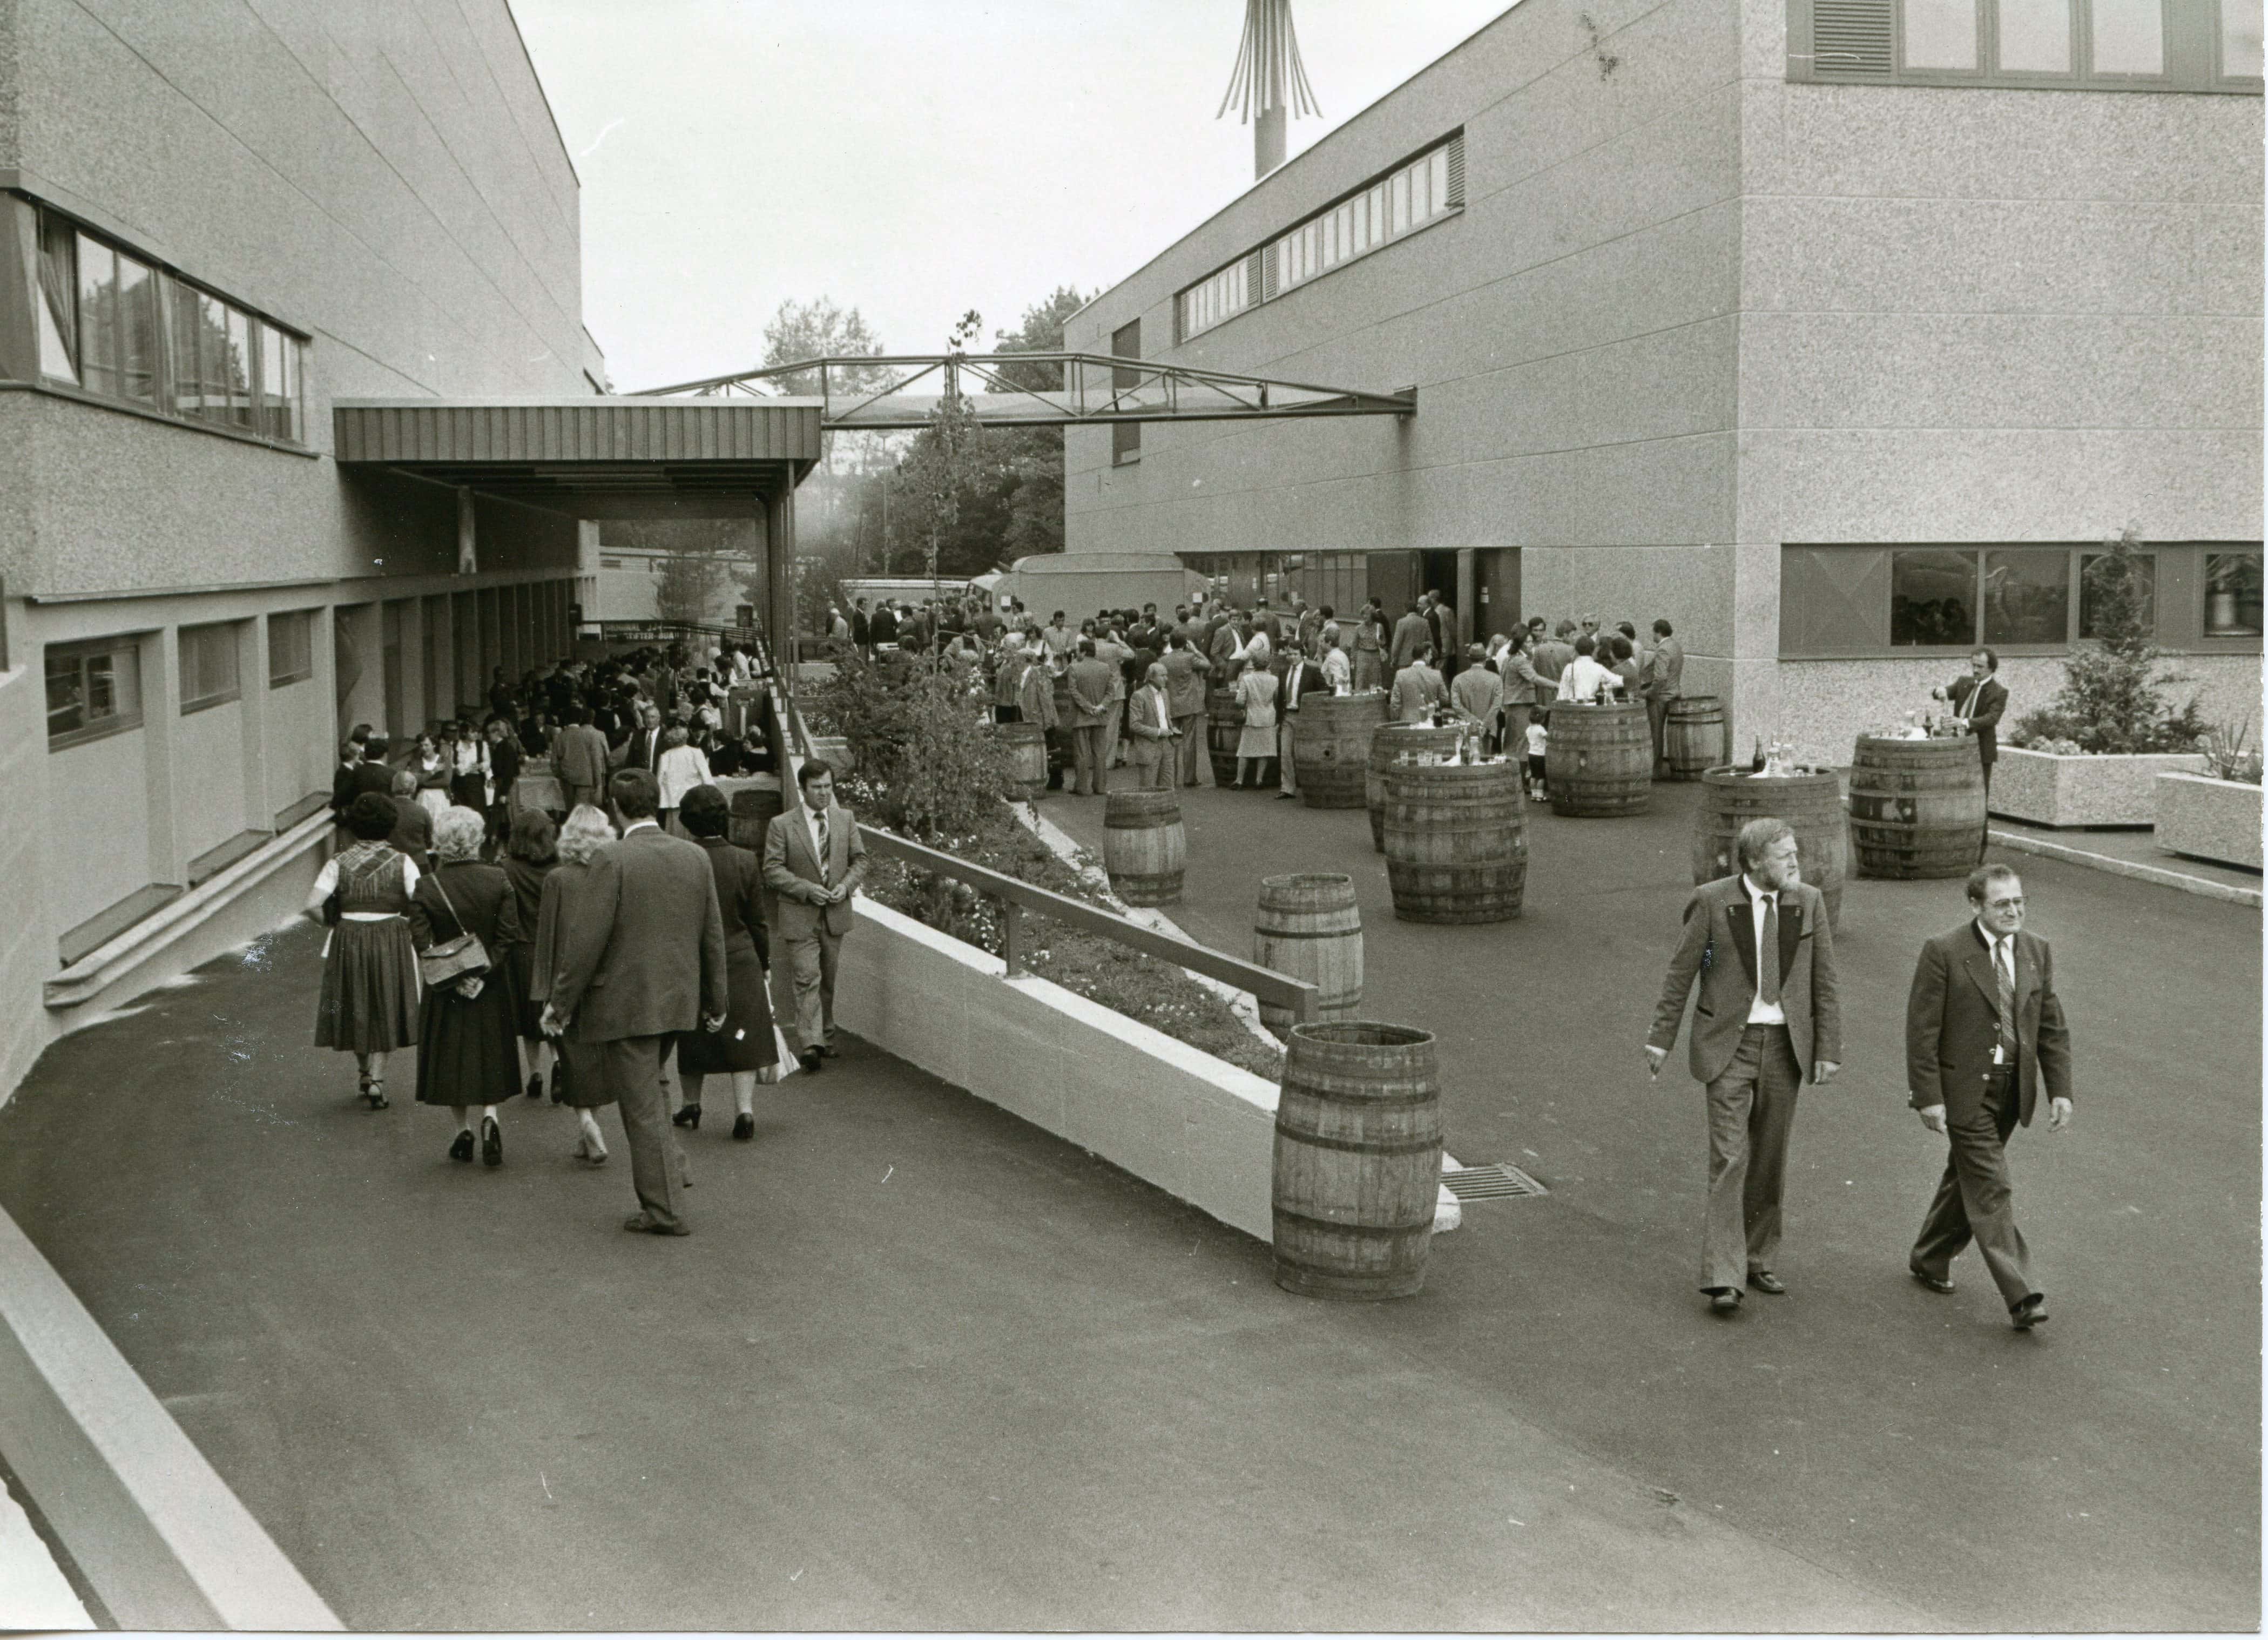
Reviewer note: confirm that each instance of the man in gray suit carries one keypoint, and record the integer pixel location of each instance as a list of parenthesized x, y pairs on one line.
[(579, 757), (1760, 1020), (641, 961), (815, 861), (1664, 681)]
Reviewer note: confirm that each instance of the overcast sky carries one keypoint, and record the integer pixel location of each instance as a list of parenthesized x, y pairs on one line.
[(911, 158)]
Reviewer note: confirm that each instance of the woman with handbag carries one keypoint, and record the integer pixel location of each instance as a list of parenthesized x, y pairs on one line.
[(528, 857), (368, 1005), (578, 1072), (747, 1050), (467, 1046)]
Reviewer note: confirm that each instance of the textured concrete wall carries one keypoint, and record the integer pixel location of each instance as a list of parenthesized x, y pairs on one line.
[(93, 817), (208, 778), (300, 740)]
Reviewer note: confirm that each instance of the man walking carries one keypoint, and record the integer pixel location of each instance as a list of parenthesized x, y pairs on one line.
[(1185, 696), (1760, 1020), (580, 757), (641, 961), (813, 862), (1984, 1027), (1665, 681)]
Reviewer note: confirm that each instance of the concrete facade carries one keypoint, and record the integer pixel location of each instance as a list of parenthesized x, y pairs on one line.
[(1691, 312), (384, 181)]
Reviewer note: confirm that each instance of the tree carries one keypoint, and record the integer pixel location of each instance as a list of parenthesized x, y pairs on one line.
[(1034, 456), (2113, 699), (821, 329), (703, 557), (949, 511), (833, 502)]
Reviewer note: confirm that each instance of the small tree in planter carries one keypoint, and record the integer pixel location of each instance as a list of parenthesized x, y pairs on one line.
[(2113, 699), (928, 764)]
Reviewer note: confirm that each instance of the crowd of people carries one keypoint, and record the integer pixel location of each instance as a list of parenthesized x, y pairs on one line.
[(1127, 689), (525, 954)]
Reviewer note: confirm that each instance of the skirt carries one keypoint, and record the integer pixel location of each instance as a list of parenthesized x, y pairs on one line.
[(745, 1041), (433, 800), (470, 791), (369, 998), (1256, 740), (468, 1051)]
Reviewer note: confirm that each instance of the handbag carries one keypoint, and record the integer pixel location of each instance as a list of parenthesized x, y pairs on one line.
[(450, 959)]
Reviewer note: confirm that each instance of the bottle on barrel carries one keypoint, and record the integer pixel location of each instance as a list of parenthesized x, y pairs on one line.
[(1756, 762)]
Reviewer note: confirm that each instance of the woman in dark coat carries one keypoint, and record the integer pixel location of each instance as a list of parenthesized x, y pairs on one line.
[(528, 858), (577, 1076), (467, 1053), (744, 1049)]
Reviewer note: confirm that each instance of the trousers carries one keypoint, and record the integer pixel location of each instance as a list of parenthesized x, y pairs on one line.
[(1976, 1202), (1192, 755), (632, 1067), (1289, 764), (1657, 720), (811, 963), (1751, 1108), (1088, 752)]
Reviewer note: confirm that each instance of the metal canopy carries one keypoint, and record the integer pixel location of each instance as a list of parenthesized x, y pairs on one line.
[(902, 391)]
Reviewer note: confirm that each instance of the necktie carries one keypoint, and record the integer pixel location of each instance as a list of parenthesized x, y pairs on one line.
[(824, 853), (2004, 972), (1768, 952)]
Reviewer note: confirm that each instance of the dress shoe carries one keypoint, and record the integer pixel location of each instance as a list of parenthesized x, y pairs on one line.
[(744, 1126), (809, 1060), (1765, 1281), (535, 1087), (651, 1226), (1724, 1300), (492, 1142), (828, 1050), (461, 1149), (1929, 1281), (2029, 1313), (688, 1116)]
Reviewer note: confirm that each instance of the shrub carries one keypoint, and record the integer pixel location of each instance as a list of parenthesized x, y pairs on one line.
[(2114, 698), (928, 763), (2227, 757)]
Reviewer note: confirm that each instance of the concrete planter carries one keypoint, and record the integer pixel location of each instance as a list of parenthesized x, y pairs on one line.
[(2209, 820), (2053, 789)]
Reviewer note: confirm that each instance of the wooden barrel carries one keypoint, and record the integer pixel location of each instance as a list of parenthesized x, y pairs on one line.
[(1812, 803), (1027, 746), (754, 801), (1307, 927), (1694, 737), (1917, 807), (1144, 846), (1457, 841), (1357, 1164), (1330, 740), (1388, 744), (1600, 760), (1223, 723)]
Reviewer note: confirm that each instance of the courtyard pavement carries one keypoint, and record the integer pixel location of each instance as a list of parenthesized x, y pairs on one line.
[(922, 1366)]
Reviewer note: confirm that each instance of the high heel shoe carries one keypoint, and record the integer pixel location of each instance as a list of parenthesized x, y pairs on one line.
[(373, 1093), (460, 1149), (688, 1116), (492, 1142), (588, 1156), (744, 1126)]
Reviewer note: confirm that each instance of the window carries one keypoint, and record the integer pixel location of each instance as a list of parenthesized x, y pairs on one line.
[(2131, 45), (1126, 436), (2028, 596), (112, 324), (1220, 297), (291, 647), (2093, 591), (208, 666), (93, 689), (1932, 598), (2232, 594)]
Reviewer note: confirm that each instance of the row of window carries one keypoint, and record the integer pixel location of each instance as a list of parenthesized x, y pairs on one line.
[(2134, 44), (94, 687), (1863, 600), (112, 324), (1406, 198)]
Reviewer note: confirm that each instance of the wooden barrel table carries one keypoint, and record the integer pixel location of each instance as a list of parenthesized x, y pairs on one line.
[(1027, 746), (1917, 807), (1330, 740), (1457, 841), (1390, 743), (1811, 803), (1224, 725), (1308, 927), (1694, 737), (1357, 1163), (1144, 848), (1600, 760)]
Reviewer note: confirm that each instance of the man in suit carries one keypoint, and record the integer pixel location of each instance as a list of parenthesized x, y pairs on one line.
[(1411, 633), (1760, 1020), (1301, 676), (1664, 683), (1417, 687), (1984, 1028), (1185, 696), (579, 757), (1551, 657), (413, 822), (1149, 732), (1478, 695), (1979, 700), (1091, 681), (373, 773), (643, 747), (642, 960), (813, 862)]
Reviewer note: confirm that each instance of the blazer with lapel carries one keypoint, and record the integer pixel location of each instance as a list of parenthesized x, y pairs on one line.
[(791, 871), (642, 750), (1952, 1020), (1147, 710), (579, 753), (1984, 715), (1719, 948), (642, 954)]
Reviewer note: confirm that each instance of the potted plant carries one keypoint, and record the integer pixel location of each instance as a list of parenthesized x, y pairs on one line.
[(2090, 756), (2215, 815)]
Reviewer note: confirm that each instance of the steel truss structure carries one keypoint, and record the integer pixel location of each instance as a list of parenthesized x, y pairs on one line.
[(897, 392)]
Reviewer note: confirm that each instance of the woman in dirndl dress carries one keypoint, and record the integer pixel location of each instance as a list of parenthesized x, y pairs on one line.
[(467, 1053), (744, 1050), (1255, 746), (368, 1005), (528, 858), (578, 1073)]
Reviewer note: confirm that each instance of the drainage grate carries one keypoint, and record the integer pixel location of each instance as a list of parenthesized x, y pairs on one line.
[(1496, 1180)]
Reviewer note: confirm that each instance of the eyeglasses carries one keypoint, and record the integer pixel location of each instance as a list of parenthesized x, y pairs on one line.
[(2007, 905)]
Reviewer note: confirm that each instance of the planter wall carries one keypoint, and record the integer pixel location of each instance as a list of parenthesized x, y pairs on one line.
[(2051, 789), (2209, 820)]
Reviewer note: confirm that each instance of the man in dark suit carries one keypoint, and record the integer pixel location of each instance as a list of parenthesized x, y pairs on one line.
[(1979, 700), (1302, 677), (413, 822), (373, 773), (1411, 633), (1759, 1022), (643, 747), (813, 862), (1984, 1027), (642, 960)]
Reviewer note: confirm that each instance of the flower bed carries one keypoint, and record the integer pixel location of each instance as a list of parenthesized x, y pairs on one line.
[(2209, 820), (2083, 789)]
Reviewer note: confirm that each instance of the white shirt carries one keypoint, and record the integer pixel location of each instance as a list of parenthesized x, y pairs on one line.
[(1581, 680), (1760, 1011), (1339, 671), (1539, 740), (326, 884), (640, 825)]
